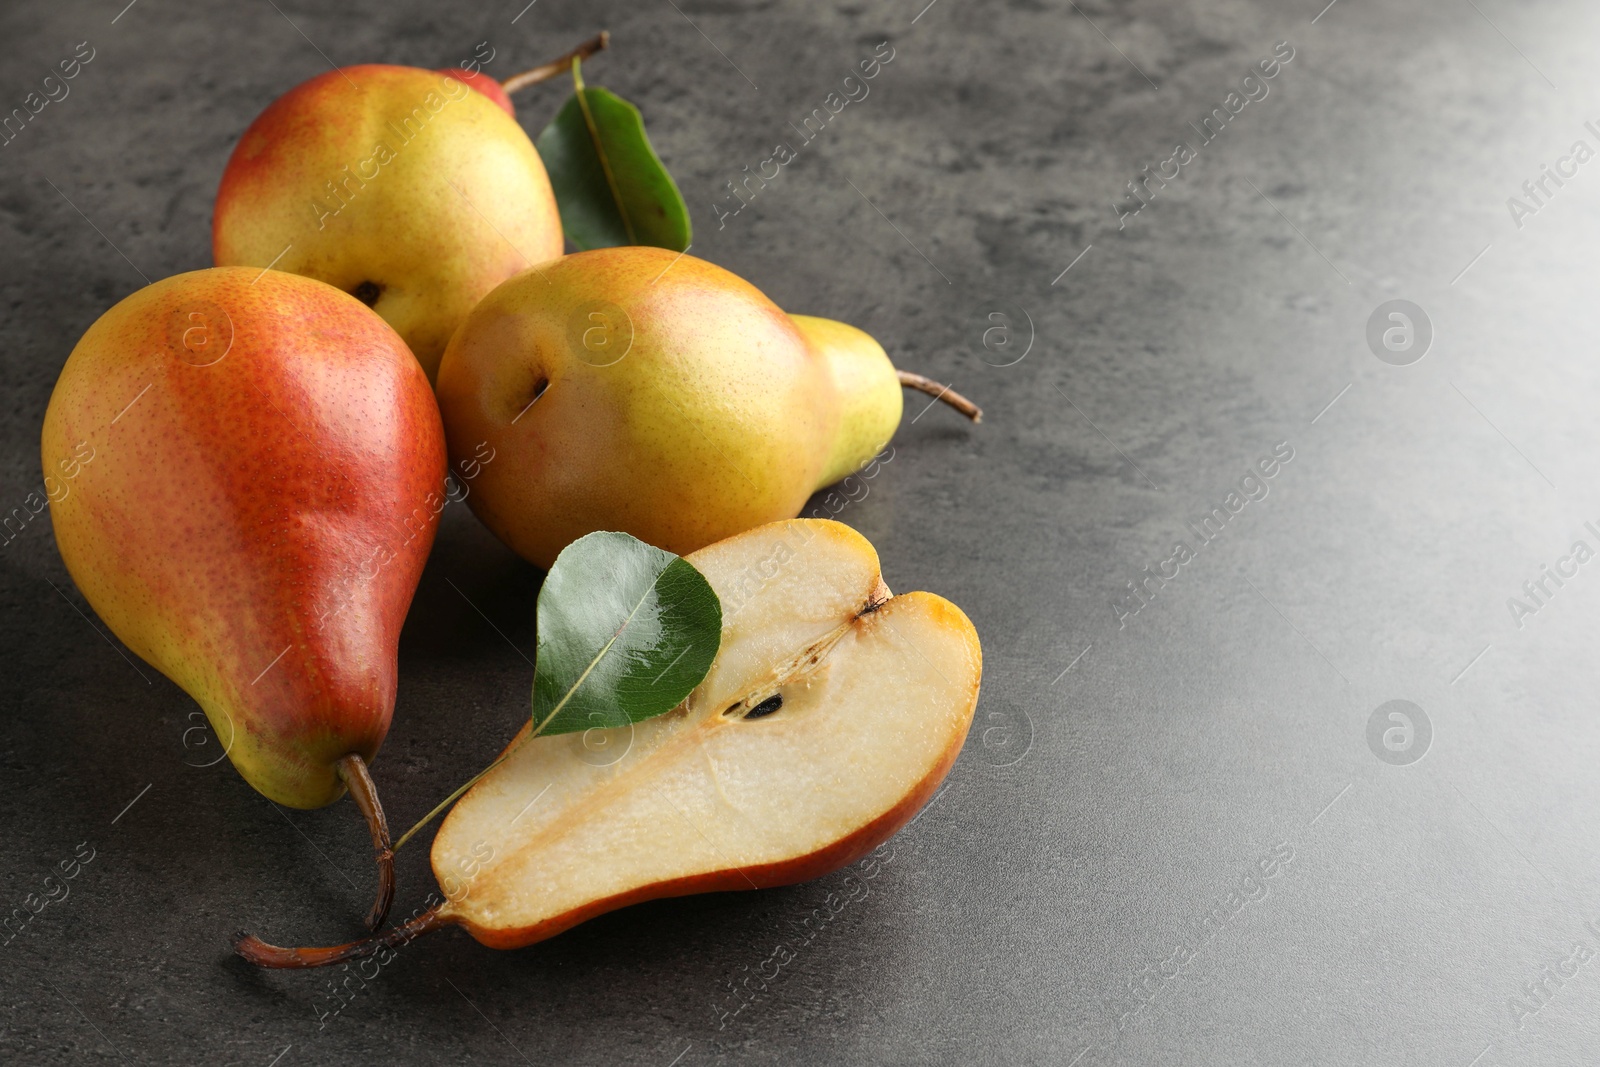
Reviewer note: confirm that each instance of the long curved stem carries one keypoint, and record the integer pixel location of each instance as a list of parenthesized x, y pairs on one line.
[(353, 771), (559, 66), (254, 950), (941, 392)]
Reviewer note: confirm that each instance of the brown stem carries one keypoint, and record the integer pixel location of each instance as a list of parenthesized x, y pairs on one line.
[(353, 770), (254, 950), (941, 392), (557, 67)]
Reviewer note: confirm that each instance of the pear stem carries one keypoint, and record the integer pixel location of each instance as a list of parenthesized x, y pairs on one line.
[(559, 66), (941, 392), (352, 771), (254, 950)]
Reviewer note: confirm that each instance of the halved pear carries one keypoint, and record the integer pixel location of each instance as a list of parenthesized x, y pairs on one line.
[(831, 714)]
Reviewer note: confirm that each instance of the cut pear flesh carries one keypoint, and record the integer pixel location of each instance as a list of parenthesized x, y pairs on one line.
[(832, 712), (830, 716)]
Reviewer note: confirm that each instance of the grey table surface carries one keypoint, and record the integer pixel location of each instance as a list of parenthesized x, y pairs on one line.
[(1191, 833)]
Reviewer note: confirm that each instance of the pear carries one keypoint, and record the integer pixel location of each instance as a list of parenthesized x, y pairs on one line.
[(830, 716), (640, 390), (403, 187), (268, 460)]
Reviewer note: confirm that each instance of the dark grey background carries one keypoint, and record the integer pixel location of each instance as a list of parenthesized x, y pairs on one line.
[(1120, 781)]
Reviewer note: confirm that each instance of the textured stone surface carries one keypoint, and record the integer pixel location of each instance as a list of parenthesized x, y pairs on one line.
[(1126, 775)]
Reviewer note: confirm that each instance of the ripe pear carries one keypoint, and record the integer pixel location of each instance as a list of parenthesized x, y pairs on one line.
[(264, 492), (831, 714), (640, 390), (404, 187)]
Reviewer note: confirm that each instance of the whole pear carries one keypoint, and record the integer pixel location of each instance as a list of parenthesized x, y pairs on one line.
[(264, 489), (404, 187), (651, 392), (638, 390)]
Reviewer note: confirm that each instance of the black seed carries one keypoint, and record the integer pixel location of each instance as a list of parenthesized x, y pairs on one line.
[(367, 293), (766, 707)]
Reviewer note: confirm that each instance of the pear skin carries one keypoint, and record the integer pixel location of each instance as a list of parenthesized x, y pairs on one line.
[(267, 459), (635, 389), (484, 84), (868, 388), (404, 187)]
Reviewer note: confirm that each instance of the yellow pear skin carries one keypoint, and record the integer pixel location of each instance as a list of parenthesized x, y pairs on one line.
[(640, 390), (868, 388)]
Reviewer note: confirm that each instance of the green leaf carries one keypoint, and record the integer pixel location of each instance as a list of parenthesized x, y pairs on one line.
[(625, 632), (610, 185)]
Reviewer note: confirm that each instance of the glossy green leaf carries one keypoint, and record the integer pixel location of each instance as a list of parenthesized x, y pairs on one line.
[(626, 630), (610, 185)]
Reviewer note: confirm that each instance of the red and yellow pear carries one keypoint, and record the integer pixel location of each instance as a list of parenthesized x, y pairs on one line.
[(414, 190), (264, 493)]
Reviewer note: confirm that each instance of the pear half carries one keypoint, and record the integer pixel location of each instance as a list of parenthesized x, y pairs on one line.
[(829, 718)]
